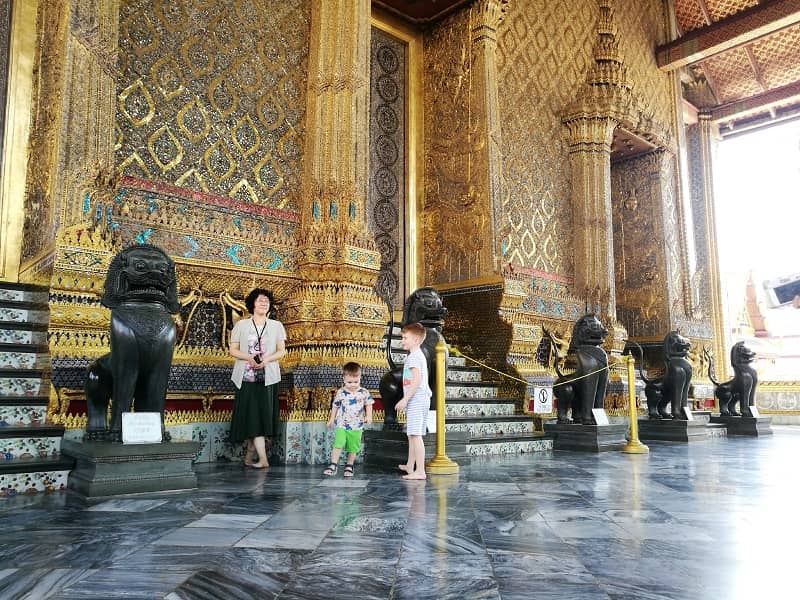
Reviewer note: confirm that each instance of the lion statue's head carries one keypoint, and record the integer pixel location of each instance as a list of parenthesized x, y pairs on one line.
[(141, 273), (588, 331), (741, 355), (676, 346), (424, 306)]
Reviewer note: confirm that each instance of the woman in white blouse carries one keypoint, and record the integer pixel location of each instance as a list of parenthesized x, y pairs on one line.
[(257, 343)]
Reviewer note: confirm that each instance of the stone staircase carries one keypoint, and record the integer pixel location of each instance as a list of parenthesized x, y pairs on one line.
[(473, 407), (30, 448)]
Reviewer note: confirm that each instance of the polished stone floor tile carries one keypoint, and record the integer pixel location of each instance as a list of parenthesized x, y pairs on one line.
[(703, 521), (126, 505), (229, 521), (202, 536)]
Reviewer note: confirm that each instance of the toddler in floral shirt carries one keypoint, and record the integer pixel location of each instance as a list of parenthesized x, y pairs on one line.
[(352, 407)]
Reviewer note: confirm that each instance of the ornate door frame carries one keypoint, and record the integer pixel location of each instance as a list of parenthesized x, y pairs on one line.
[(412, 152)]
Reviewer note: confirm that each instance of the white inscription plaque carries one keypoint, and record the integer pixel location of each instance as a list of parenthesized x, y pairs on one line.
[(141, 428)]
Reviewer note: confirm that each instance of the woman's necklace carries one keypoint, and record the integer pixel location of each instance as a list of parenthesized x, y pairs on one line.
[(258, 338)]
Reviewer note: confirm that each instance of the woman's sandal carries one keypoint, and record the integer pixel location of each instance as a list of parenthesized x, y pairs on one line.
[(349, 471), (331, 470)]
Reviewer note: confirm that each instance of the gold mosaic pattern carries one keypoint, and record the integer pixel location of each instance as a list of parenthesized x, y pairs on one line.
[(212, 96), (733, 75), (543, 54), (778, 57), (642, 25)]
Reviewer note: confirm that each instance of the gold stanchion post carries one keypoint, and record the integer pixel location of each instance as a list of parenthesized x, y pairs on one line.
[(440, 464), (634, 446)]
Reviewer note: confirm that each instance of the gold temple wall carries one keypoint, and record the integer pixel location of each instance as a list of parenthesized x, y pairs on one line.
[(544, 51), (210, 125), (184, 125)]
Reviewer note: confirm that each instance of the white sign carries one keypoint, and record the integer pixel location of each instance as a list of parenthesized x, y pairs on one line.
[(431, 422), (600, 416), (688, 412), (141, 428), (541, 401), (754, 412)]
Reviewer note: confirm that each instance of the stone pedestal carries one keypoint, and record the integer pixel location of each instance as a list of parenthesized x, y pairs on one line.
[(107, 469), (753, 426), (587, 438), (387, 449), (673, 430)]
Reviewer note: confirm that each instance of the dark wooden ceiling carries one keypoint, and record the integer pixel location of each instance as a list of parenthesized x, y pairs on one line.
[(740, 59), (420, 12)]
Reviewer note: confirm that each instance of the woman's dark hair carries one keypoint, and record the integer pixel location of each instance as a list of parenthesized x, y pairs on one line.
[(250, 301)]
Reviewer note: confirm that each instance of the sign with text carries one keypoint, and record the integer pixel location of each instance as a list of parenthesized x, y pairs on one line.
[(688, 412), (541, 401), (141, 428), (754, 412), (600, 416)]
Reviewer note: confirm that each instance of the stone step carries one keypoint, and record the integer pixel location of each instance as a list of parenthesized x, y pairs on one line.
[(34, 476), (30, 442), (509, 444), (24, 356), (452, 361), (387, 449), (494, 425), (24, 382), (471, 389), (24, 312), (463, 374), (482, 407), (23, 411), (23, 333), (22, 292)]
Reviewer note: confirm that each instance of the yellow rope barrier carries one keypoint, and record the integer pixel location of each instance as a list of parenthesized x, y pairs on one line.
[(456, 352)]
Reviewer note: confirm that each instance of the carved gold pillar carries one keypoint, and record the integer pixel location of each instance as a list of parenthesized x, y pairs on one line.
[(22, 49), (701, 139), (590, 158), (602, 104), (72, 128), (463, 168), (486, 18), (334, 315)]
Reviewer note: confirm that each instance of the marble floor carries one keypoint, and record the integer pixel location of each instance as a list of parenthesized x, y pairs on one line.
[(714, 519)]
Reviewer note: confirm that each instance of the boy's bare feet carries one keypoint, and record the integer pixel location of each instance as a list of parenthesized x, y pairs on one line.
[(259, 465), (404, 468), (414, 476)]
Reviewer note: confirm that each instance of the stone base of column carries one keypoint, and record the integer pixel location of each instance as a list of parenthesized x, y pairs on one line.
[(753, 426), (107, 469), (587, 438), (387, 449), (673, 430)]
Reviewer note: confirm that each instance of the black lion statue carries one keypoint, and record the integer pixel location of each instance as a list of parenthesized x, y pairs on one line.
[(742, 388), (588, 390), (142, 294), (673, 388), (422, 306)]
